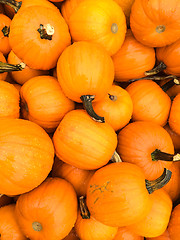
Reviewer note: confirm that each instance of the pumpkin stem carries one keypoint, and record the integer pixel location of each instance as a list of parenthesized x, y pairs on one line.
[(87, 102), (36, 226), (6, 31), (159, 68), (160, 28), (115, 157), (158, 183), (85, 214), (114, 28), (112, 97), (46, 31), (170, 84), (12, 3), (157, 78), (159, 155), (6, 67)]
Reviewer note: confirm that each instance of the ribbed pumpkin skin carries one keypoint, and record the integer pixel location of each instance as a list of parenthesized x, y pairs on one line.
[(174, 223), (138, 140), (53, 204), (174, 117), (82, 142), (26, 152), (150, 102), (93, 21), (9, 228), (4, 40), (117, 195), (9, 104), (90, 229), (124, 233), (132, 59), (156, 221), (26, 42), (85, 68), (170, 56), (155, 23)]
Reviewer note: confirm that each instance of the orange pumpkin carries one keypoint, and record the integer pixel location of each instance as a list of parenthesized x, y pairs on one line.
[(155, 23), (146, 144), (95, 142), (49, 211), (156, 221), (116, 107), (118, 194), (174, 136), (26, 152), (174, 116), (101, 21), (38, 36), (43, 102), (22, 76), (9, 104), (9, 229), (173, 227), (79, 178), (164, 236), (124, 233), (150, 102), (4, 34), (86, 73), (132, 59), (89, 228)]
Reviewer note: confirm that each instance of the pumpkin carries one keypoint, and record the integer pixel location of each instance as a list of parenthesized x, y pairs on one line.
[(174, 116), (26, 152), (155, 23), (89, 228), (38, 36), (4, 33), (150, 102), (174, 136), (48, 211), (9, 104), (156, 221), (132, 59), (82, 142), (118, 194), (146, 144), (22, 76), (85, 72), (9, 229), (101, 21), (164, 236), (43, 102), (79, 178), (124, 233), (173, 227), (116, 107)]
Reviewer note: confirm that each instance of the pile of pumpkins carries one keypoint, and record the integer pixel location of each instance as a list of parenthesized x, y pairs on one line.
[(89, 119)]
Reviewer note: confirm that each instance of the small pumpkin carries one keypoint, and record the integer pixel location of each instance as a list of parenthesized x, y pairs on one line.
[(9, 228), (38, 36), (95, 142), (43, 102), (174, 116), (173, 227), (27, 154), (101, 21), (49, 211), (4, 34), (132, 59), (155, 23)]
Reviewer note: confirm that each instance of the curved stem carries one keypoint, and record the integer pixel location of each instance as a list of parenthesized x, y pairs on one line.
[(12, 3), (160, 182), (46, 31), (159, 155), (6, 67), (87, 102), (157, 78), (6, 31), (85, 214), (115, 157), (170, 84), (159, 68)]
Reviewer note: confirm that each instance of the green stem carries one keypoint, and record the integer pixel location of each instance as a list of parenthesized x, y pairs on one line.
[(159, 155), (112, 97), (6, 67), (87, 102), (160, 182), (6, 31), (159, 68), (85, 214), (46, 31), (156, 78), (37, 226), (12, 3)]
